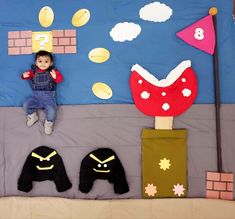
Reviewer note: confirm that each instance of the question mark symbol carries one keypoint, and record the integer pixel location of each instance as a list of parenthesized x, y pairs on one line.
[(43, 39)]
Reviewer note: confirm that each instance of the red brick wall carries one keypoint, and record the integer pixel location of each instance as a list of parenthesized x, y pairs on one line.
[(64, 41), (219, 185), (20, 42)]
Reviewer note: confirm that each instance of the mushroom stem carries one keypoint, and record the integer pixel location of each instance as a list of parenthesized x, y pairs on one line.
[(164, 122)]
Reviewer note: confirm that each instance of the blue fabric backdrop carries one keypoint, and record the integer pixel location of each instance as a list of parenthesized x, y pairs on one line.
[(156, 48)]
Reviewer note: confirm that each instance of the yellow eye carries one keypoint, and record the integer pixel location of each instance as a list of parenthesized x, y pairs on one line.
[(105, 165), (99, 165)]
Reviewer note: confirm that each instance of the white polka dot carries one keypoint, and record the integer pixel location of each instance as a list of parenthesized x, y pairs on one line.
[(166, 106), (183, 80), (140, 81), (186, 92), (145, 95), (163, 93)]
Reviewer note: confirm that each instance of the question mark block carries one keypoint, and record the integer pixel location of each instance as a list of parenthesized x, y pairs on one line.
[(42, 41)]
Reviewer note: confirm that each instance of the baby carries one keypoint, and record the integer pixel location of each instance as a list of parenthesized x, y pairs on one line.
[(44, 78)]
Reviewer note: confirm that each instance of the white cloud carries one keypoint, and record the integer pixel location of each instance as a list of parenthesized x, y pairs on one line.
[(125, 31), (156, 12)]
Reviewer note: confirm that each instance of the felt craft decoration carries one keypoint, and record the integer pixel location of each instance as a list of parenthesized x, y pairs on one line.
[(166, 97), (43, 163), (102, 90), (102, 163), (99, 55), (46, 16), (164, 172), (203, 35), (81, 17), (200, 34), (164, 163)]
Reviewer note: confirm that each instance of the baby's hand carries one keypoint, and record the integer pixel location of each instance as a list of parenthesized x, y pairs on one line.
[(53, 74), (26, 74)]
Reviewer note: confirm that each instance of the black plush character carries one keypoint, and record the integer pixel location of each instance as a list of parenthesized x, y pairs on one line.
[(102, 163), (43, 163)]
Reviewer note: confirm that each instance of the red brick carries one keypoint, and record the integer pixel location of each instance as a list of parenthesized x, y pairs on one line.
[(26, 50), (229, 186), (226, 195), (26, 34), (221, 186), (20, 42), (13, 34), (70, 49), (57, 33), (73, 41), (70, 33), (227, 177), (10, 43), (55, 41), (64, 41), (213, 176), (212, 194), (209, 185), (58, 49), (29, 42), (14, 51)]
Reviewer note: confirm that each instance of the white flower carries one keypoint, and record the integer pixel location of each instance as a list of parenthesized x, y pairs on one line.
[(166, 106), (145, 95), (178, 189), (150, 190), (186, 92)]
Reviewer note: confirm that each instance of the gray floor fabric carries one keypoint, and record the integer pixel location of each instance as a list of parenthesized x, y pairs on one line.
[(81, 129)]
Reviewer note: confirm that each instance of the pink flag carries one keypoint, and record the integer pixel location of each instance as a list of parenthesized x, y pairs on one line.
[(200, 34)]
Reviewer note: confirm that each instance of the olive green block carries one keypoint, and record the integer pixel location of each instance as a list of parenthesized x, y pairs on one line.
[(164, 163)]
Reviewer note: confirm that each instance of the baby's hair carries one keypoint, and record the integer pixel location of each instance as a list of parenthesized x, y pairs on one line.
[(43, 53)]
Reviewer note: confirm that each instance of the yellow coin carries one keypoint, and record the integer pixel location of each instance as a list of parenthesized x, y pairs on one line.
[(81, 17), (99, 55), (102, 90), (46, 16)]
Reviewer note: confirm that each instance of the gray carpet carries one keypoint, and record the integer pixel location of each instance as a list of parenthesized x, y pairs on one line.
[(81, 129)]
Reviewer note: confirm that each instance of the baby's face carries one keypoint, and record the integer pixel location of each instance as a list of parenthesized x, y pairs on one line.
[(43, 62)]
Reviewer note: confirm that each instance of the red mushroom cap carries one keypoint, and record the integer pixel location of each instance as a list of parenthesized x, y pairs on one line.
[(167, 97)]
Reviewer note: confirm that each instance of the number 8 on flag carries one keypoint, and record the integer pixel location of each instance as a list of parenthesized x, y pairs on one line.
[(200, 34)]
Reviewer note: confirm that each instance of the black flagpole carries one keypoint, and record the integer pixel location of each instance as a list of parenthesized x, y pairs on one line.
[(213, 12)]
